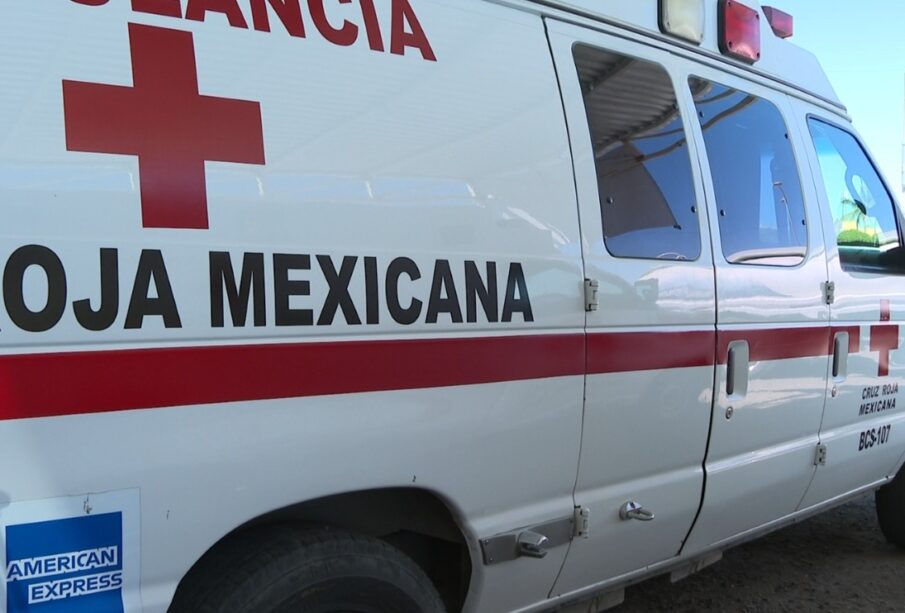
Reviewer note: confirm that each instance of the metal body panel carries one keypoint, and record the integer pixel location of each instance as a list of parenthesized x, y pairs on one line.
[(701, 558), (764, 439), (645, 432), (867, 304), (782, 61), (468, 153), (209, 469), (368, 154)]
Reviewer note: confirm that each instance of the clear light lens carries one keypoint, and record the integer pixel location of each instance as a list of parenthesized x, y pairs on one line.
[(739, 31), (782, 23), (683, 19)]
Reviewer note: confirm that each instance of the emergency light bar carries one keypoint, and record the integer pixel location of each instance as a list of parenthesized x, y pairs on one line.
[(781, 22), (739, 31), (683, 19)]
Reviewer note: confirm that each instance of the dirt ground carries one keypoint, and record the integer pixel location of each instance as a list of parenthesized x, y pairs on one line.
[(838, 561)]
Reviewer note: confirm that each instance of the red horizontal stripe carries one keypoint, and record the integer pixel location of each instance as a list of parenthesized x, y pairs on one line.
[(633, 351), (777, 344), (44, 385), (854, 338), (98, 381)]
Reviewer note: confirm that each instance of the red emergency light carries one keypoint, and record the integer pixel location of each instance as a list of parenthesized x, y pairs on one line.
[(739, 31), (781, 22)]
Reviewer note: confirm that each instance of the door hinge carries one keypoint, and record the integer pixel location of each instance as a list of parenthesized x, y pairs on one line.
[(590, 294), (820, 458), (582, 522), (829, 292)]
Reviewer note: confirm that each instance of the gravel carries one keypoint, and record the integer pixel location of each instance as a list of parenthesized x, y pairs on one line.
[(838, 561)]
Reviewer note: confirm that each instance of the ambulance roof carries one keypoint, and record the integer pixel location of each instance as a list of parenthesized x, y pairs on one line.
[(781, 60)]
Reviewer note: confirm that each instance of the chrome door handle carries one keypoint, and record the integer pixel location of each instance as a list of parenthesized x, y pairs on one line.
[(532, 544), (737, 369), (633, 510), (840, 356)]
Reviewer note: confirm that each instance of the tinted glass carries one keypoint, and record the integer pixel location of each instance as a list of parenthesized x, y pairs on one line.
[(644, 180), (863, 212), (755, 177)]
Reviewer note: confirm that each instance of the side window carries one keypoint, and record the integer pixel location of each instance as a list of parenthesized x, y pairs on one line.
[(755, 177), (647, 197), (863, 212)]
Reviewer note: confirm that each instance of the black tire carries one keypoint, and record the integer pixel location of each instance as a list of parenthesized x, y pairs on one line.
[(289, 569), (891, 510)]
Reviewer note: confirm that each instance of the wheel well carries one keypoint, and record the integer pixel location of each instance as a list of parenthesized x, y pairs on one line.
[(414, 521)]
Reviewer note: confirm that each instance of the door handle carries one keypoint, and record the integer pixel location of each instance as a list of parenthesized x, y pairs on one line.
[(633, 510), (840, 355), (532, 544), (737, 369)]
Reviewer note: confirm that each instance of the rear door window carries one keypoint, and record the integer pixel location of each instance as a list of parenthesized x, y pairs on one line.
[(646, 189), (755, 176)]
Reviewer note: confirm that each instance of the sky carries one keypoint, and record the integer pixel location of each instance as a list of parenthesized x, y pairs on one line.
[(861, 46)]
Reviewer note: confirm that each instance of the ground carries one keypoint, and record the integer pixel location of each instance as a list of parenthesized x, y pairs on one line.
[(838, 561)]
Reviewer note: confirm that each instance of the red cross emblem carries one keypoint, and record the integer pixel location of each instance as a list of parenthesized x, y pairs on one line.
[(165, 122), (884, 338)]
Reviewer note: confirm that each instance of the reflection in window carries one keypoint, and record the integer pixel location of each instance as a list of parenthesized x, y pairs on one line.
[(863, 213), (755, 177), (644, 179)]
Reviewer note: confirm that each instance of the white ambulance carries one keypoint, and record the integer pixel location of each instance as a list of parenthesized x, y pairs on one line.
[(428, 305)]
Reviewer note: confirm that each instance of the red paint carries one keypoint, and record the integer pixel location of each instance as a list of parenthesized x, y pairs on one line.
[(884, 339), (44, 385), (100, 381), (636, 351), (400, 38), (778, 344), (854, 338), (343, 36), (372, 25), (288, 11), (165, 122), (167, 8), (198, 9)]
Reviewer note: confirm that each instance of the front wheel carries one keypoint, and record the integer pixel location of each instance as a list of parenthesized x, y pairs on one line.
[(294, 570), (891, 510)]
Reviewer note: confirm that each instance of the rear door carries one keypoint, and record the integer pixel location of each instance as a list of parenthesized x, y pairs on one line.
[(863, 428), (651, 339), (772, 320)]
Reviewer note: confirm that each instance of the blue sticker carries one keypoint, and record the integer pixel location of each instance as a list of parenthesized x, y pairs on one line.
[(66, 566)]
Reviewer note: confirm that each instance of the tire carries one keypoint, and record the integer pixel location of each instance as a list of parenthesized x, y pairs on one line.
[(891, 510), (288, 569)]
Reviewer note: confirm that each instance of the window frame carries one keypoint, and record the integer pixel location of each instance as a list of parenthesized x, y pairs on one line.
[(822, 189), (703, 230), (796, 157)]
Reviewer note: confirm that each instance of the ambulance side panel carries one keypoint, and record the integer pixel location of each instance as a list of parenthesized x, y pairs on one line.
[(772, 319), (863, 420), (649, 389), (367, 155)]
